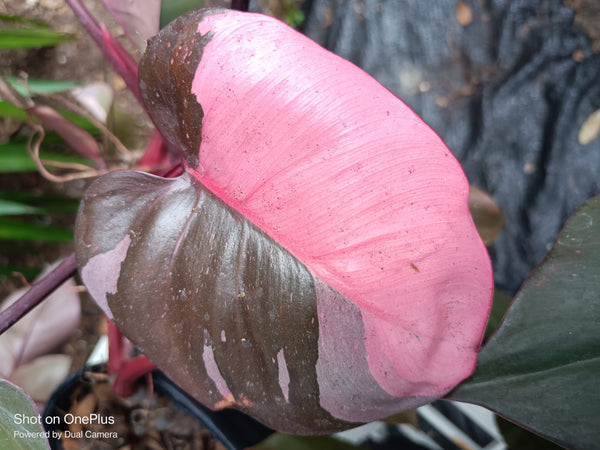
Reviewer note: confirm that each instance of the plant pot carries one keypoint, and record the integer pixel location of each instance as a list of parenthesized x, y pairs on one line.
[(72, 404)]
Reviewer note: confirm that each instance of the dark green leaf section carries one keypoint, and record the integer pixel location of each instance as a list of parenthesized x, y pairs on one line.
[(500, 305), (517, 437), (227, 313), (28, 272), (15, 229), (540, 369)]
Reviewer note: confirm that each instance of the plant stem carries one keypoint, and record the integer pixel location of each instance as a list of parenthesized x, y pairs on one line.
[(120, 59), (38, 292)]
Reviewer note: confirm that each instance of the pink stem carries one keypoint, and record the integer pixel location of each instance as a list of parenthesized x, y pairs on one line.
[(120, 59), (116, 356), (129, 373)]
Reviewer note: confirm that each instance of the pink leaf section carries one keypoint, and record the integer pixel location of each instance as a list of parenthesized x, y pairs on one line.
[(100, 276), (354, 184)]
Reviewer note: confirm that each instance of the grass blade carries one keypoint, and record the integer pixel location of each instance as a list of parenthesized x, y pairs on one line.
[(15, 229), (13, 38), (10, 208)]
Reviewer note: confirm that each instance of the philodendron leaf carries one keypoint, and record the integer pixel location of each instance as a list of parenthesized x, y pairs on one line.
[(19, 421), (540, 369), (316, 266)]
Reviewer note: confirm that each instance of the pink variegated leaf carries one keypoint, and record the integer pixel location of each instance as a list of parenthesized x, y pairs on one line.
[(316, 266)]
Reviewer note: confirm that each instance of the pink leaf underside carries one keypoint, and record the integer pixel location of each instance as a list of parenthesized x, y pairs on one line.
[(139, 18), (354, 184), (40, 331)]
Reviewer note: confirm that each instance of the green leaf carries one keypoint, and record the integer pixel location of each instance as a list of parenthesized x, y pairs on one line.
[(36, 86), (15, 158), (540, 369), (13, 229), (19, 421), (8, 208), (45, 203), (500, 305), (12, 38), (517, 437), (170, 10), (10, 111)]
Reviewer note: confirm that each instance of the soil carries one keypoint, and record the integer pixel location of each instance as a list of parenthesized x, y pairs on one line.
[(145, 420)]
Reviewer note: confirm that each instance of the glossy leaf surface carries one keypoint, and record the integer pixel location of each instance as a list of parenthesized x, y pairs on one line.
[(540, 369), (316, 266)]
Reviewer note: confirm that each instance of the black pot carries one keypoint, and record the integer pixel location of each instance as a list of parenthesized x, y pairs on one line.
[(232, 428)]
